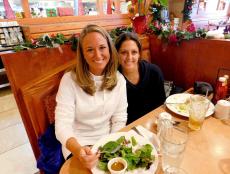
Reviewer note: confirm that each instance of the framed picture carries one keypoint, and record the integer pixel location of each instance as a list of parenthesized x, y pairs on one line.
[(51, 12), (65, 11)]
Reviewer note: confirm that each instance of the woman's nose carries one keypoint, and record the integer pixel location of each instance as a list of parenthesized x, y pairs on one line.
[(97, 53), (129, 56)]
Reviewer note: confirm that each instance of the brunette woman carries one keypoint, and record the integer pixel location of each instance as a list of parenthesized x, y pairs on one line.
[(144, 81)]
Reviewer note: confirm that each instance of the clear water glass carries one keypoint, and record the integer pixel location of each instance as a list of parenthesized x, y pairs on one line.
[(173, 146)]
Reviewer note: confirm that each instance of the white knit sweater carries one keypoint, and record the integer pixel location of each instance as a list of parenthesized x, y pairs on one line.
[(86, 117)]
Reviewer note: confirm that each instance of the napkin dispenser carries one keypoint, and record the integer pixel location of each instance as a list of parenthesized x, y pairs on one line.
[(202, 87)]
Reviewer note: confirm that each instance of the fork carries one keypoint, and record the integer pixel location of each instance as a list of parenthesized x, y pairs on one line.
[(138, 132), (156, 145)]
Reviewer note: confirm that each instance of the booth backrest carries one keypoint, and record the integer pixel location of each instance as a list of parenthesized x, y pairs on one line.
[(33, 74), (35, 94), (71, 25)]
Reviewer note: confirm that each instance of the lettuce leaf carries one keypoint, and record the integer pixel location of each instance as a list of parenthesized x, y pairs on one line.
[(141, 158)]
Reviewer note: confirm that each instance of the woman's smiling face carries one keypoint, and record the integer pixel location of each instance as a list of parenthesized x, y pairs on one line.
[(96, 52), (129, 55)]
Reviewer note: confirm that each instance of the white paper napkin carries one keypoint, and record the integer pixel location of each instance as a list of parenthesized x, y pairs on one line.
[(150, 136)]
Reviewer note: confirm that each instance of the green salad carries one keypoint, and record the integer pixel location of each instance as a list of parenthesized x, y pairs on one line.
[(135, 155)]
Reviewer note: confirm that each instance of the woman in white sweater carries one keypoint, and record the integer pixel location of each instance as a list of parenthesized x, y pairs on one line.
[(91, 100)]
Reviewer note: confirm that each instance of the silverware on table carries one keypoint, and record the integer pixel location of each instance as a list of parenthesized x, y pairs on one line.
[(152, 139)]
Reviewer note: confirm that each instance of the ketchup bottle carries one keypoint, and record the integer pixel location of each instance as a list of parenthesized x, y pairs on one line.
[(221, 89)]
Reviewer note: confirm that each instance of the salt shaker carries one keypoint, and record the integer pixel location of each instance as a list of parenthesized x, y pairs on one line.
[(164, 122), (222, 109)]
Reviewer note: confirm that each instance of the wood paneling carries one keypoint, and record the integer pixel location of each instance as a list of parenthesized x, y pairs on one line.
[(22, 68), (145, 47), (71, 25), (36, 90), (194, 60)]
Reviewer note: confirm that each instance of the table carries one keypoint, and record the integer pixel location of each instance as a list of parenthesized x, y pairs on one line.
[(207, 151)]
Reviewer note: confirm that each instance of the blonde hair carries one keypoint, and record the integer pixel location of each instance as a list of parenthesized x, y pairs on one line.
[(81, 72)]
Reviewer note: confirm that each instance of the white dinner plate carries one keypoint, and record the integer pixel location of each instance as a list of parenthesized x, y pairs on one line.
[(140, 140), (183, 109)]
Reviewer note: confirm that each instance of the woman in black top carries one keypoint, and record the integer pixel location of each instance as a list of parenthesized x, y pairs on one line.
[(144, 81)]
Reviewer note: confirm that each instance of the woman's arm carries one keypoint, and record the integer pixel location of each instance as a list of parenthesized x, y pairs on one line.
[(64, 120), (83, 153), (119, 118), (65, 110)]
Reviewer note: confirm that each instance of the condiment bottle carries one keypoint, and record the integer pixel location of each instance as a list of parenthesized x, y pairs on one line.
[(227, 83), (221, 89)]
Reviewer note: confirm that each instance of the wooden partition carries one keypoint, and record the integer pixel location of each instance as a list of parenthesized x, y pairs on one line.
[(22, 68), (194, 60), (71, 25), (145, 47), (33, 96)]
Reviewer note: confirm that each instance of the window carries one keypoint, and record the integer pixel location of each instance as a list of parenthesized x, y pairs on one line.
[(89, 7), (124, 6), (51, 8), (204, 7), (11, 9)]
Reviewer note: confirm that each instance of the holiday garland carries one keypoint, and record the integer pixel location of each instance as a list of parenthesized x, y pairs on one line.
[(187, 10), (155, 11), (49, 42)]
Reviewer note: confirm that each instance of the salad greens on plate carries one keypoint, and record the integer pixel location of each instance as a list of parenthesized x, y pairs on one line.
[(136, 156)]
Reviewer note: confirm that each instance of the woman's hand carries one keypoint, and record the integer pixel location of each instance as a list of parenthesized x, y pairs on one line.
[(87, 157), (83, 153)]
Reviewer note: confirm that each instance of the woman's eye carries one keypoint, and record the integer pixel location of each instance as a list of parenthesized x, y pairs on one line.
[(134, 52), (102, 47), (123, 52), (89, 50)]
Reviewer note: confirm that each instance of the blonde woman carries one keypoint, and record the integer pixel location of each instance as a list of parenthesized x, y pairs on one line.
[(91, 100)]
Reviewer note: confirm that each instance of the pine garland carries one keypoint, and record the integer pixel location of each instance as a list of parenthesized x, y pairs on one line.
[(187, 10)]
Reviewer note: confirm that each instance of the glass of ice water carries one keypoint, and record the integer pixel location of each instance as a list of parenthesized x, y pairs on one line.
[(173, 146)]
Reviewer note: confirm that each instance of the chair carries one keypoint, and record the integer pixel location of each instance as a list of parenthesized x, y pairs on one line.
[(34, 75)]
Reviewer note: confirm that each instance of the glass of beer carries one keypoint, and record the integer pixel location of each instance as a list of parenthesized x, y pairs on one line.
[(197, 111)]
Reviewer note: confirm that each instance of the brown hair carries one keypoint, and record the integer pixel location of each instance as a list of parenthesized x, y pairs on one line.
[(128, 36), (81, 73)]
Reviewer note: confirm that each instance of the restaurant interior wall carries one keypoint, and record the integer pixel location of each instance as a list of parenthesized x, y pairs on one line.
[(194, 60)]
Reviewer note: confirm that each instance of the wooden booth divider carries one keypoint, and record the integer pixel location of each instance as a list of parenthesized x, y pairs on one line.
[(71, 25), (29, 74), (194, 60)]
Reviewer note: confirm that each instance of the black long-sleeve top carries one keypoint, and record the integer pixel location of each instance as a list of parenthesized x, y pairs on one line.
[(148, 94)]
